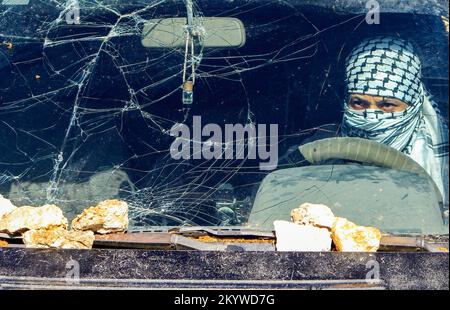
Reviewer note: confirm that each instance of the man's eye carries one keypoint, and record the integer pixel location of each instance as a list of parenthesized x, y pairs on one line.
[(388, 106), (358, 104)]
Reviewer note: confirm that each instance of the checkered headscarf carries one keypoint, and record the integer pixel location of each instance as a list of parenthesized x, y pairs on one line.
[(389, 67), (385, 67)]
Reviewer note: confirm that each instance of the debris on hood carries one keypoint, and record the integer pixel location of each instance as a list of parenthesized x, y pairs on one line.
[(46, 226), (58, 238), (304, 238), (26, 218), (349, 237), (313, 214), (6, 206), (109, 216), (315, 228)]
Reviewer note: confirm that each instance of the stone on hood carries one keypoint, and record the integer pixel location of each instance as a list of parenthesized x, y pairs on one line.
[(109, 216), (5, 206), (27, 218), (303, 238), (349, 237), (58, 238), (313, 214)]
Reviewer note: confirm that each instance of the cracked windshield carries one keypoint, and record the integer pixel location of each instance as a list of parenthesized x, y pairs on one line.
[(226, 113)]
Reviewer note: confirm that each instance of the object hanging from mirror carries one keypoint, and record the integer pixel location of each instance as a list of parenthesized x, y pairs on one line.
[(194, 33), (192, 62), (188, 92), (188, 84)]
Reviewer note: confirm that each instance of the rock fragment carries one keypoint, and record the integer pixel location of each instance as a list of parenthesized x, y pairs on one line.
[(304, 238), (26, 218), (313, 214), (58, 238), (6, 206), (349, 237), (109, 216)]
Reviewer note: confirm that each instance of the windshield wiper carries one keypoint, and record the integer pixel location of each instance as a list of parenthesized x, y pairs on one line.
[(193, 238), (431, 243), (234, 231)]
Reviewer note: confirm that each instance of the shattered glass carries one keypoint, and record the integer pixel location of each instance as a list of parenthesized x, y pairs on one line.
[(86, 110)]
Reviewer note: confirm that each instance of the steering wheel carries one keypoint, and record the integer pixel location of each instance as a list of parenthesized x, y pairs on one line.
[(364, 151)]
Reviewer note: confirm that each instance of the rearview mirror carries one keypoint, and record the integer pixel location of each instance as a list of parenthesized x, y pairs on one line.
[(216, 32)]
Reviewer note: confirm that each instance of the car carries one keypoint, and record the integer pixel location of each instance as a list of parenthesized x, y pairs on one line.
[(211, 119)]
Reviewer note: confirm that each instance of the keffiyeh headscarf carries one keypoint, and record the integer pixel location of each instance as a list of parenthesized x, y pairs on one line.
[(389, 67)]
